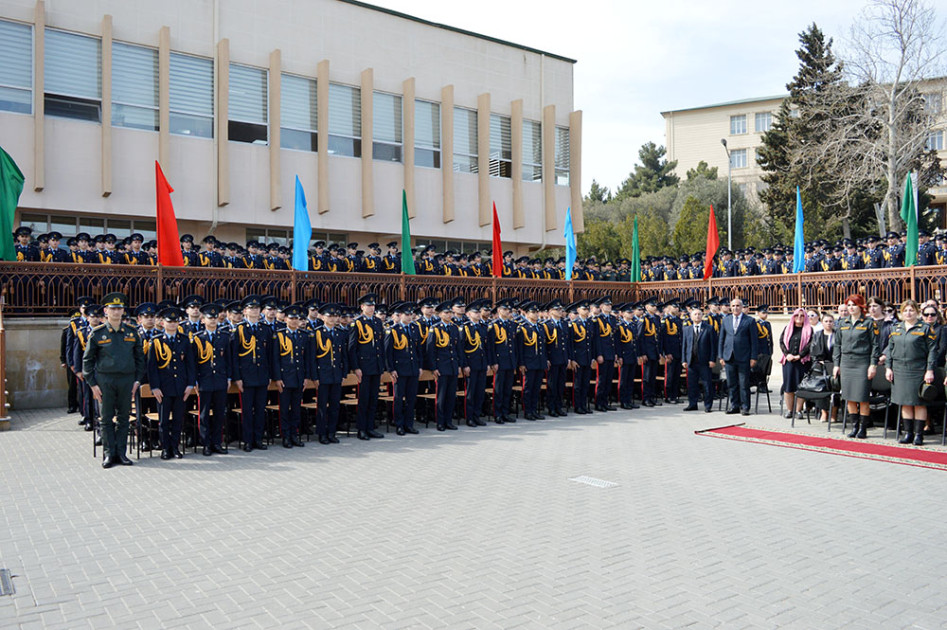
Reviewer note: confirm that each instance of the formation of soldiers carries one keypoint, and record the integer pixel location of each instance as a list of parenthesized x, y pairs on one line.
[(266, 349)]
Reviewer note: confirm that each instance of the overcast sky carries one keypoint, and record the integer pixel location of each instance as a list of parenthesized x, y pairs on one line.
[(637, 59)]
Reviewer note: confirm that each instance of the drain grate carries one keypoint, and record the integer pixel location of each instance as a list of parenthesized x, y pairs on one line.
[(592, 481), (6, 582)]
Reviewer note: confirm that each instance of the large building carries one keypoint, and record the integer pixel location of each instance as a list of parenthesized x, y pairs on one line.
[(236, 98), (694, 134)]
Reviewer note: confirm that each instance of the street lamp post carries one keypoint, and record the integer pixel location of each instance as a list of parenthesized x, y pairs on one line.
[(723, 141)]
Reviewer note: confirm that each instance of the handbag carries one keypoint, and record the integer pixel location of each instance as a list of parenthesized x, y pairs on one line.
[(814, 382)]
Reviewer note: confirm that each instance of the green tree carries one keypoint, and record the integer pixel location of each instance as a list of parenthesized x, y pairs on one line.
[(653, 174), (690, 232), (702, 170), (600, 239), (599, 193)]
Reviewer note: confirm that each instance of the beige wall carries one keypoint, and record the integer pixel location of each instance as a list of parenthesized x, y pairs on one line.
[(353, 39)]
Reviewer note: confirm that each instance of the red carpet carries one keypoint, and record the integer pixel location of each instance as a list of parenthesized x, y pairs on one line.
[(864, 449)]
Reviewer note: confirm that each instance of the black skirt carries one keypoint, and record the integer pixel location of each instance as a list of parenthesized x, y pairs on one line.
[(793, 373)]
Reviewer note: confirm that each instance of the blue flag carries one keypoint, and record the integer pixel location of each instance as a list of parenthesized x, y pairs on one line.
[(799, 245), (571, 253), (302, 231)]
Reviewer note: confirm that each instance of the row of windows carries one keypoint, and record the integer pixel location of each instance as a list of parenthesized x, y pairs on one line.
[(72, 225), (764, 120), (73, 89), (285, 237)]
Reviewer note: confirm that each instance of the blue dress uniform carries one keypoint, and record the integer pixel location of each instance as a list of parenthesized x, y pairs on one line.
[(473, 343), (292, 366), (555, 330), (603, 333), (500, 340), (627, 350), (671, 340), (77, 346), (764, 335), (579, 351), (403, 359), (366, 347), (444, 353), (250, 348), (330, 362), (171, 371), (213, 365), (531, 355), (649, 345)]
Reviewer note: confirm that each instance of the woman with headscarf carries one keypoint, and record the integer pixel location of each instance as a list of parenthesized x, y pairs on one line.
[(795, 344), (912, 355), (855, 356)]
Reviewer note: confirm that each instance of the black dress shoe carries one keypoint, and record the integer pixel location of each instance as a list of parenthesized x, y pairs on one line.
[(730, 412), (552, 413), (499, 420), (674, 401), (324, 440), (247, 449), (178, 454), (440, 427), (166, 454), (287, 443), (108, 461), (609, 408), (260, 446), (690, 408), (648, 403), (471, 423), (88, 426), (208, 451), (480, 423), (82, 422), (72, 410), (399, 431), (98, 440), (708, 409), (635, 406), (528, 416), (297, 441), (414, 431), (745, 412), (333, 439), (219, 450), (372, 433), (124, 461), (362, 435), (509, 419)]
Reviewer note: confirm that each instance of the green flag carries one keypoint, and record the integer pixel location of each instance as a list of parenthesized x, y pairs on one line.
[(909, 215), (635, 256), (407, 260), (11, 185)]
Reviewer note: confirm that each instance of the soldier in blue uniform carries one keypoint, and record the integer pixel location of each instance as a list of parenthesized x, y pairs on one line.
[(477, 358), (25, 250), (626, 338), (603, 331), (671, 340), (531, 357), (56, 254), (172, 378), (213, 368), (292, 371), (874, 255), (392, 260), (93, 315), (581, 357), (444, 354), (556, 353), (403, 351), (192, 321), (366, 349), (188, 252), (764, 334), (330, 359), (500, 338), (251, 343), (649, 345)]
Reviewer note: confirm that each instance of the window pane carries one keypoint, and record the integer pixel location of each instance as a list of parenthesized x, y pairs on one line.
[(92, 226), (465, 131), (299, 140), (935, 141), (562, 148), (135, 117), (73, 65), (36, 222), (427, 157), (764, 121), (345, 110), (72, 107), (465, 164), (738, 124), (134, 75), (350, 147), (192, 85), (65, 225), (738, 158), (532, 151), (387, 117), (247, 94), (16, 67), (298, 102), (427, 124), (186, 125), (500, 137), (386, 152)]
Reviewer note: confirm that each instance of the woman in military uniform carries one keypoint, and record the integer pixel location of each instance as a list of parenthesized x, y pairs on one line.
[(855, 354), (911, 358)]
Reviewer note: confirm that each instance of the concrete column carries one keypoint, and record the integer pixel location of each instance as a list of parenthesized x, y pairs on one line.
[(322, 138), (483, 159), (223, 114), (407, 135), (39, 105), (274, 123), (575, 170), (164, 97), (368, 184), (106, 105), (516, 127), (549, 167), (447, 152)]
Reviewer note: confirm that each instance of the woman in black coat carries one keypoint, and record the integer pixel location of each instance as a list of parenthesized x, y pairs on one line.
[(795, 343), (821, 353)]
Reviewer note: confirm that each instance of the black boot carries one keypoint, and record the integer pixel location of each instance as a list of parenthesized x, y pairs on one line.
[(856, 425), (863, 428), (919, 433), (908, 436)]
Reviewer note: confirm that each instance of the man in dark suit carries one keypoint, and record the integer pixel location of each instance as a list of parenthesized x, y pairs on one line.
[(738, 348), (699, 351)]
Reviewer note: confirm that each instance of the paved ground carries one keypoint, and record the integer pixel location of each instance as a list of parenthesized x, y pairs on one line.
[(479, 528)]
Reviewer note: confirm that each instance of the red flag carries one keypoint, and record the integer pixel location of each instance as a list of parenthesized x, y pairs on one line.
[(497, 245), (169, 244), (713, 244)]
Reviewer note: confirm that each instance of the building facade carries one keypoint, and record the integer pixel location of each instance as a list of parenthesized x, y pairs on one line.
[(236, 98), (695, 134)]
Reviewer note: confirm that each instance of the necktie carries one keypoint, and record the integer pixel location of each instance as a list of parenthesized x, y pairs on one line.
[(736, 323)]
